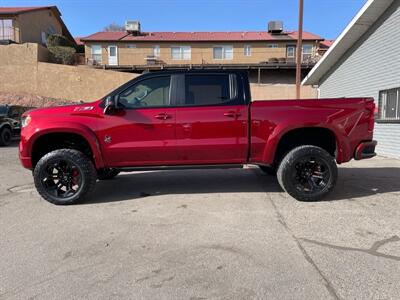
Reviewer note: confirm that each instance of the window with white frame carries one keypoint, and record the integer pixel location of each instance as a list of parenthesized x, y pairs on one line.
[(247, 50), (96, 53), (290, 51), (389, 105), (181, 52), (223, 52), (6, 29), (307, 52), (156, 50), (272, 45)]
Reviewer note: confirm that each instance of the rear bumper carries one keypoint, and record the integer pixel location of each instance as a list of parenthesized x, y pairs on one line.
[(365, 150)]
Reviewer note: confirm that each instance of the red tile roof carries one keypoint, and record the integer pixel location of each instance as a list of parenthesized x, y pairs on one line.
[(20, 10), (197, 36), (326, 43), (106, 36), (78, 41)]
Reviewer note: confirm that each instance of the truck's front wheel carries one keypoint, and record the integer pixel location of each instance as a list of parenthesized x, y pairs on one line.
[(307, 173), (64, 176)]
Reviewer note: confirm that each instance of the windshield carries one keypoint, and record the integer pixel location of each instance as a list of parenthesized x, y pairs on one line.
[(3, 110)]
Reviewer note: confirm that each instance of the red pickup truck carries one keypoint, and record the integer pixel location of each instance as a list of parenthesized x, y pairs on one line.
[(194, 119)]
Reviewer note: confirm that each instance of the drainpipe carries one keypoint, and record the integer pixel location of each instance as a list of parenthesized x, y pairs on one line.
[(299, 49)]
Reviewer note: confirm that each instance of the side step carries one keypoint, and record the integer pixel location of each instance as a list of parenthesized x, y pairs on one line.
[(180, 167)]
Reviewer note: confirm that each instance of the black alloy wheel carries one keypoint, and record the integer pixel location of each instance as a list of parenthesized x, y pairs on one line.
[(308, 173), (311, 174), (64, 176), (61, 178)]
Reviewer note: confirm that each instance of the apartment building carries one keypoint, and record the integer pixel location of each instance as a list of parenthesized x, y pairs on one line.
[(137, 50)]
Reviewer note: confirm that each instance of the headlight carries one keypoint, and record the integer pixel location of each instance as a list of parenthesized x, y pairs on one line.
[(25, 121)]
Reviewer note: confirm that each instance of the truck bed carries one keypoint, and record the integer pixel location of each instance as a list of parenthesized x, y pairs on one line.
[(349, 119)]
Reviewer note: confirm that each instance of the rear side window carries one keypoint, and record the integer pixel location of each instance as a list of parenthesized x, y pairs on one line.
[(210, 89)]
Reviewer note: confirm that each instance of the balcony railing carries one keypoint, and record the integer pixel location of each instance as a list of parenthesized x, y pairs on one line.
[(7, 33), (142, 57)]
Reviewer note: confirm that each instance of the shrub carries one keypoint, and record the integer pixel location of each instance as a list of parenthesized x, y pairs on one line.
[(62, 55), (55, 40)]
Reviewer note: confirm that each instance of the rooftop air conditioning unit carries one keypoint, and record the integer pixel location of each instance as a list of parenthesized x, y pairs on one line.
[(275, 27), (132, 26)]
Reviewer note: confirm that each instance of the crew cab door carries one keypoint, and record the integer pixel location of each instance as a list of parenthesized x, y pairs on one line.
[(142, 132), (211, 119)]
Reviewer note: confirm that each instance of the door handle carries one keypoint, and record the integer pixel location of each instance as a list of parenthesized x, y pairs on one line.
[(232, 114), (162, 116)]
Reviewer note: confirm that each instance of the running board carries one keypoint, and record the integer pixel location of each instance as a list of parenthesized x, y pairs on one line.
[(179, 167)]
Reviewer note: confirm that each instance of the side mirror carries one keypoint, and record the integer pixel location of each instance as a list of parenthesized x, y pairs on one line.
[(111, 105)]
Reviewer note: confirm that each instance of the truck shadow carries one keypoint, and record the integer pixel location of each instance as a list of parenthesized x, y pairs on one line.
[(353, 183), (136, 185)]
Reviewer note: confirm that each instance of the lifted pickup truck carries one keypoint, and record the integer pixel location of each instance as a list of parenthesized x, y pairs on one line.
[(194, 119)]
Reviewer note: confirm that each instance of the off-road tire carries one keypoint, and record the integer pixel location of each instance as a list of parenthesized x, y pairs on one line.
[(81, 161), (106, 174), (288, 166), (5, 136)]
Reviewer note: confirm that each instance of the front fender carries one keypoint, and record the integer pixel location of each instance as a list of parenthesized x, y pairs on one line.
[(30, 135)]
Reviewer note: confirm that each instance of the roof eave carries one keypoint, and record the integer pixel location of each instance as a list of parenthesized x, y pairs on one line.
[(352, 33), (31, 10), (191, 41)]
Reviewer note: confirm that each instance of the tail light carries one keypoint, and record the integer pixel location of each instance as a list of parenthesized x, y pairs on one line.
[(373, 110)]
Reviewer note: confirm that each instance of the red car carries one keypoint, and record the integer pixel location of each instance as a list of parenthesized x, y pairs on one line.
[(194, 119)]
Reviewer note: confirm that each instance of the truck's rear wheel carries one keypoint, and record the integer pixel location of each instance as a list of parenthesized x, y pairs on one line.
[(64, 176), (307, 173), (5, 136)]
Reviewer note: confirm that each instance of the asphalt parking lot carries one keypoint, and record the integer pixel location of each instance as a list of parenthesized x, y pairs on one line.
[(214, 234)]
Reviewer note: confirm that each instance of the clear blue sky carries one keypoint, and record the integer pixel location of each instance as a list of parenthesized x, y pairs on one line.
[(83, 17)]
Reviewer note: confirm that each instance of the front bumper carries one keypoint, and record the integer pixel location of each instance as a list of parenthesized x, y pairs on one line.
[(365, 150), (26, 161)]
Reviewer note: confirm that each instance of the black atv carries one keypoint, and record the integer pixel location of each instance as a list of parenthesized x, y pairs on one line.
[(10, 122)]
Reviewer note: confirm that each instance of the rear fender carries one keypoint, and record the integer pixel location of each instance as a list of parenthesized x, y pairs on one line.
[(282, 129)]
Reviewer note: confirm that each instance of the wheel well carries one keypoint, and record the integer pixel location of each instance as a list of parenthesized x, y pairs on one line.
[(316, 136), (5, 126), (54, 141)]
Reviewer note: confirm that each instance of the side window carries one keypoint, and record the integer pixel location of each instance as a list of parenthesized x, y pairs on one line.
[(152, 92), (210, 89), (389, 105)]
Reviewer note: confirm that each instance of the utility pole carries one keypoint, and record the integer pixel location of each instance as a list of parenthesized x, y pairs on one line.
[(299, 49)]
